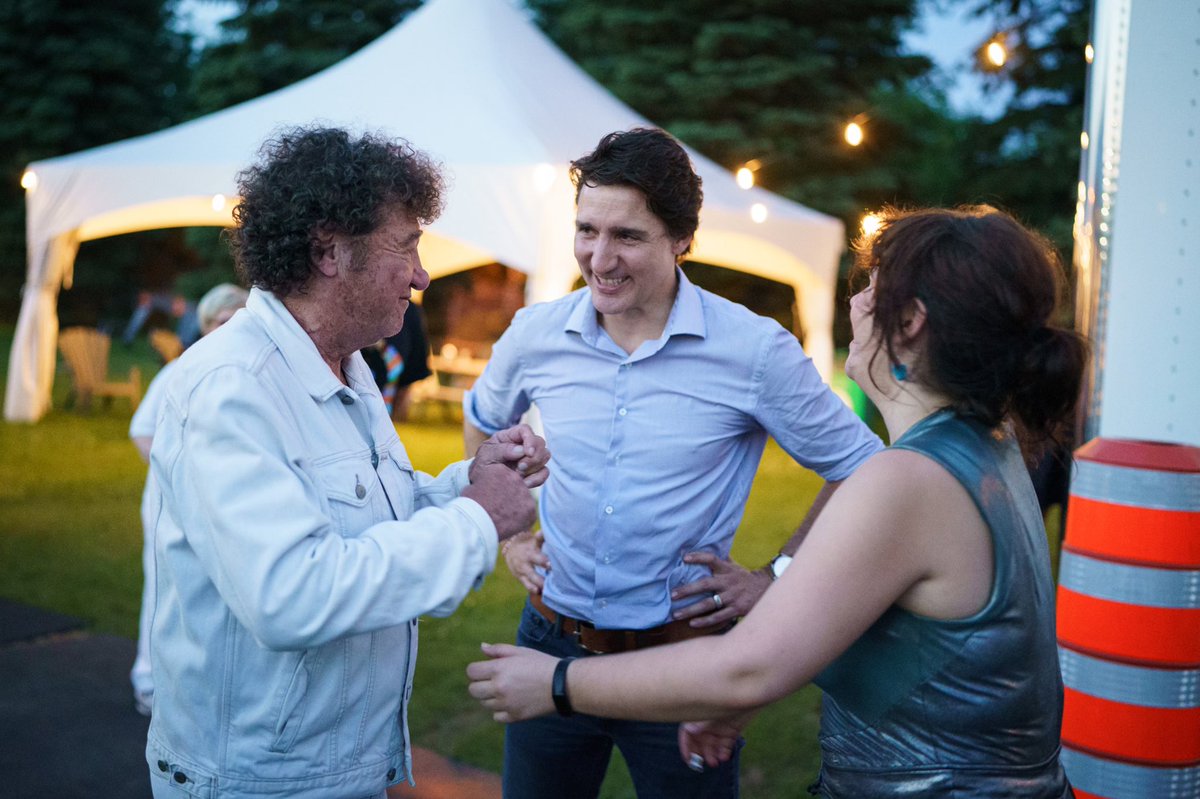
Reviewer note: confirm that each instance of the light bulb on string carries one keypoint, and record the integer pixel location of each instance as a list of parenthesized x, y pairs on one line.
[(854, 134), (746, 173)]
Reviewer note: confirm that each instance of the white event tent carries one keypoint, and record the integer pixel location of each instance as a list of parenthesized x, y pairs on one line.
[(472, 82)]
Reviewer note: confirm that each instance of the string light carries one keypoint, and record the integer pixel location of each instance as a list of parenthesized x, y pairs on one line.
[(996, 53), (29, 180), (758, 212), (870, 224), (1084, 140), (745, 175), (854, 134), (218, 202), (1089, 53)]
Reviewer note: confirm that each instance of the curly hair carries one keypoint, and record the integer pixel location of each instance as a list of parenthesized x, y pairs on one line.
[(311, 179), (652, 161), (990, 287)]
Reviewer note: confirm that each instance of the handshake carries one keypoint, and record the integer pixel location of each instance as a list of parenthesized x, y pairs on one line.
[(506, 466)]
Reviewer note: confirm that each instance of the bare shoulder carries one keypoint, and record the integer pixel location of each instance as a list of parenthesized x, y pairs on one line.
[(901, 473)]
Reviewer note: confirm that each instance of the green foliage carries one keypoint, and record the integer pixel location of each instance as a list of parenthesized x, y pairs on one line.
[(269, 44), (773, 81), (1027, 159), (75, 75)]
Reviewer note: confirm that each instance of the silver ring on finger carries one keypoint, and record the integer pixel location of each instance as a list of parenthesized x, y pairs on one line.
[(717, 601)]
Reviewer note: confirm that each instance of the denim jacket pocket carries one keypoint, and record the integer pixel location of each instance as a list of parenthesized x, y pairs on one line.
[(291, 711), (350, 486)]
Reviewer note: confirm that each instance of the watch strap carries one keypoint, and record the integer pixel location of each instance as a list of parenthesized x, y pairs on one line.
[(558, 688)]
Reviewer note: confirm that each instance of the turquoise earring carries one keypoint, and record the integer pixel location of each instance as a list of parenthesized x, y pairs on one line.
[(900, 372)]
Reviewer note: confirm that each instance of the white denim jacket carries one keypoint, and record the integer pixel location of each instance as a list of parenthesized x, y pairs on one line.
[(284, 632)]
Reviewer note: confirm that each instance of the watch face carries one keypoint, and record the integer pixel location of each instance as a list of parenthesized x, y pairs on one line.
[(779, 564)]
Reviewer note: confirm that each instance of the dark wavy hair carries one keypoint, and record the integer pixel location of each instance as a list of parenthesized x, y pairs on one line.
[(316, 178), (653, 162), (990, 288)]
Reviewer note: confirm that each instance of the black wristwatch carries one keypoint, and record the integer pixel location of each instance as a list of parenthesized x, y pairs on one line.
[(558, 688), (778, 564)]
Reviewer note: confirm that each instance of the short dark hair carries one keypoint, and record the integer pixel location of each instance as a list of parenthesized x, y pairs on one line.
[(316, 178), (653, 162), (990, 288)]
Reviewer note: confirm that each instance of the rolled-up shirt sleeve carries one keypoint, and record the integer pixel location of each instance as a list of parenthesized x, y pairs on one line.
[(240, 487), (809, 421)]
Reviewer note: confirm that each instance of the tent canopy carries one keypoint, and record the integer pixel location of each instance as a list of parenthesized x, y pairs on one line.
[(477, 86)]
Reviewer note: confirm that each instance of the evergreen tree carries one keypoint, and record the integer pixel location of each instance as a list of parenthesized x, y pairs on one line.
[(772, 82), (1027, 159), (75, 75), (270, 44)]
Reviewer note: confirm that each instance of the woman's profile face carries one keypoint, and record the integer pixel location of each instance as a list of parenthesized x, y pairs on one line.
[(865, 343)]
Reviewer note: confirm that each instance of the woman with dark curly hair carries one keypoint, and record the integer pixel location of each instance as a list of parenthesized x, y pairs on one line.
[(295, 545), (921, 601)]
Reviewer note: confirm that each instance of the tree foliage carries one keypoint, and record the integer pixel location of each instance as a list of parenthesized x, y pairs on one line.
[(1027, 157), (75, 75), (769, 81), (269, 44)]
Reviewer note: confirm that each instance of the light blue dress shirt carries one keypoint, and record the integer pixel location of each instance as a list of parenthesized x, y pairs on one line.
[(654, 452)]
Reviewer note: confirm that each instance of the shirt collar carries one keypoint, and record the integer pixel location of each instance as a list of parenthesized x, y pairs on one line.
[(300, 352), (686, 319)]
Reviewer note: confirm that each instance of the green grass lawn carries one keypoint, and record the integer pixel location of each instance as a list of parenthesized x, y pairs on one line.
[(70, 541)]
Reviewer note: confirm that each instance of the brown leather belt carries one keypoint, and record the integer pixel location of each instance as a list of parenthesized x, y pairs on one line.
[(603, 642)]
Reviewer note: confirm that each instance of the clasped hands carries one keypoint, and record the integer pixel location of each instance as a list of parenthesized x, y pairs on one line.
[(505, 467)]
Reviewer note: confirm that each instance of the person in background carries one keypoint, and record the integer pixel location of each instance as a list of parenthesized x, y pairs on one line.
[(399, 361), (296, 546), (922, 601), (657, 398), (215, 308)]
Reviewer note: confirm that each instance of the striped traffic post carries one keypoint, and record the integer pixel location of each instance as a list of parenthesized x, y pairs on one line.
[(1129, 622)]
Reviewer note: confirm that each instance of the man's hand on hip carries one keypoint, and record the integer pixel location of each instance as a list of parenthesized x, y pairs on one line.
[(523, 555), (730, 592), (518, 448), (503, 495)]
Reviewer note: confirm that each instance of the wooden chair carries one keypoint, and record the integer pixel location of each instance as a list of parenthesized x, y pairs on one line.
[(166, 344), (86, 352)]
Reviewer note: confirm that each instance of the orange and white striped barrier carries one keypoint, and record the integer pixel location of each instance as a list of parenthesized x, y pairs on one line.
[(1129, 622)]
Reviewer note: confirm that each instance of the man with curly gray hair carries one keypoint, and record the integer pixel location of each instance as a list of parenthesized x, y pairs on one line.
[(295, 544)]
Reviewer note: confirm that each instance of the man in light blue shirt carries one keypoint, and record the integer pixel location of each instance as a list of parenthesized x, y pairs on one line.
[(657, 398)]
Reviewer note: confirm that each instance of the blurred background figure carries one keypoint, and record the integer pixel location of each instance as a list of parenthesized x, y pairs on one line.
[(187, 326), (399, 361)]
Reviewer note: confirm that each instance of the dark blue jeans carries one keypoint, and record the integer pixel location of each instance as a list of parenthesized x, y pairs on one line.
[(553, 757)]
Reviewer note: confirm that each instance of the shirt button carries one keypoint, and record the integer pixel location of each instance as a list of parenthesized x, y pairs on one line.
[(162, 765), (391, 774), (608, 558), (608, 509), (180, 777), (603, 603), (346, 399), (622, 411)]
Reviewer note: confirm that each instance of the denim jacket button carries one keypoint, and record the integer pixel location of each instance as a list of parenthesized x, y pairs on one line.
[(180, 777), (391, 774), (162, 765)]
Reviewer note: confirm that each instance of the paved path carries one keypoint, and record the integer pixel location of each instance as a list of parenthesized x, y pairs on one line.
[(69, 729)]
